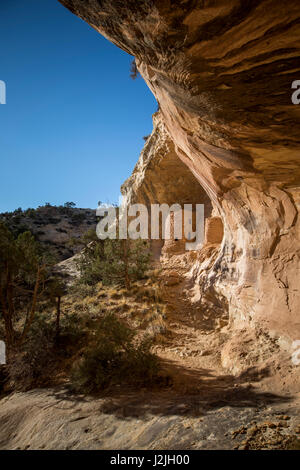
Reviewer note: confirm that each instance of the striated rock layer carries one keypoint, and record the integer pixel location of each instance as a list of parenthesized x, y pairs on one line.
[(222, 72)]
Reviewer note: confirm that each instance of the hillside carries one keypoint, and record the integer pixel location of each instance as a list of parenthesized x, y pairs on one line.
[(57, 228)]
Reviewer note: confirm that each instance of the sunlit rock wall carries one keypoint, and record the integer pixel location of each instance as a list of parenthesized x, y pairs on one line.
[(222, 73)]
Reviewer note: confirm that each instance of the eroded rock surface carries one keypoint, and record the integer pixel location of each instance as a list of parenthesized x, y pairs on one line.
[(54, 419), (222, 72)]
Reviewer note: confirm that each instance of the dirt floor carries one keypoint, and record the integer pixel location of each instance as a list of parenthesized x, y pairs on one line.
[(203, 406)]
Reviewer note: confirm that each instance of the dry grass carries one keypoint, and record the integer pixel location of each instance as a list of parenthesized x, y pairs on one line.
[(82, 310), (141, 306)]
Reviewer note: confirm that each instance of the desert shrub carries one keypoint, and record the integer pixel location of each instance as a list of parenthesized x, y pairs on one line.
[(53, 220), (134, 73), (37, 362), (78, 218), (33, 363), (156, 329), (117, 261), (90, 264), (72, 331), (19, 229), (81, 290), (31, 213), (114, 357), (24, 269)]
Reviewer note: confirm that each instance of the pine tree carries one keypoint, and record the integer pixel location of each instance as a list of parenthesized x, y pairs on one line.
[(114, 261), (23, 272)]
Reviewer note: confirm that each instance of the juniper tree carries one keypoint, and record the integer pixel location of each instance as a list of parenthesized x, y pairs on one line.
[(23, 272), (54, 291), (114, 261)]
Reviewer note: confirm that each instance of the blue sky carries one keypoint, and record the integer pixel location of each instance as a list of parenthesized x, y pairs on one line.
[(73, 125)]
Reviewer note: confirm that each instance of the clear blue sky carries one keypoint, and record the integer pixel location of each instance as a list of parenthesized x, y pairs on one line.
[(73, 125)]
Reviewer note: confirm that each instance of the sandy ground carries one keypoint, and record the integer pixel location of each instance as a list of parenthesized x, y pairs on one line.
[(204, 407)]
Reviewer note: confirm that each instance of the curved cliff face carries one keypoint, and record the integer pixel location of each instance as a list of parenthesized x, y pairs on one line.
[(222, 73), (160, 176)]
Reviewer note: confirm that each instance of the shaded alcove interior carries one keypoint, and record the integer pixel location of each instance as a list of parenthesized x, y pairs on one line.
[(161, 177), (181, 187)]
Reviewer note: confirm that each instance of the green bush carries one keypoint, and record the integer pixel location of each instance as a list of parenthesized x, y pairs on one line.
[(80, 290), (134, 73), (32, 364), (114, 262), (37, 362), (115, 357)]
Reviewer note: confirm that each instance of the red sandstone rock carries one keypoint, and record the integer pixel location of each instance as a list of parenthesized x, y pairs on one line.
[(222, 74)]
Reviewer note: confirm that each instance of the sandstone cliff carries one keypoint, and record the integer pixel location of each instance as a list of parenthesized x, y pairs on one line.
[(228, 136)]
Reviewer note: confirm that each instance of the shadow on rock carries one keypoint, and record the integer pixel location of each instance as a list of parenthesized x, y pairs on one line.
[(193, 393)]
